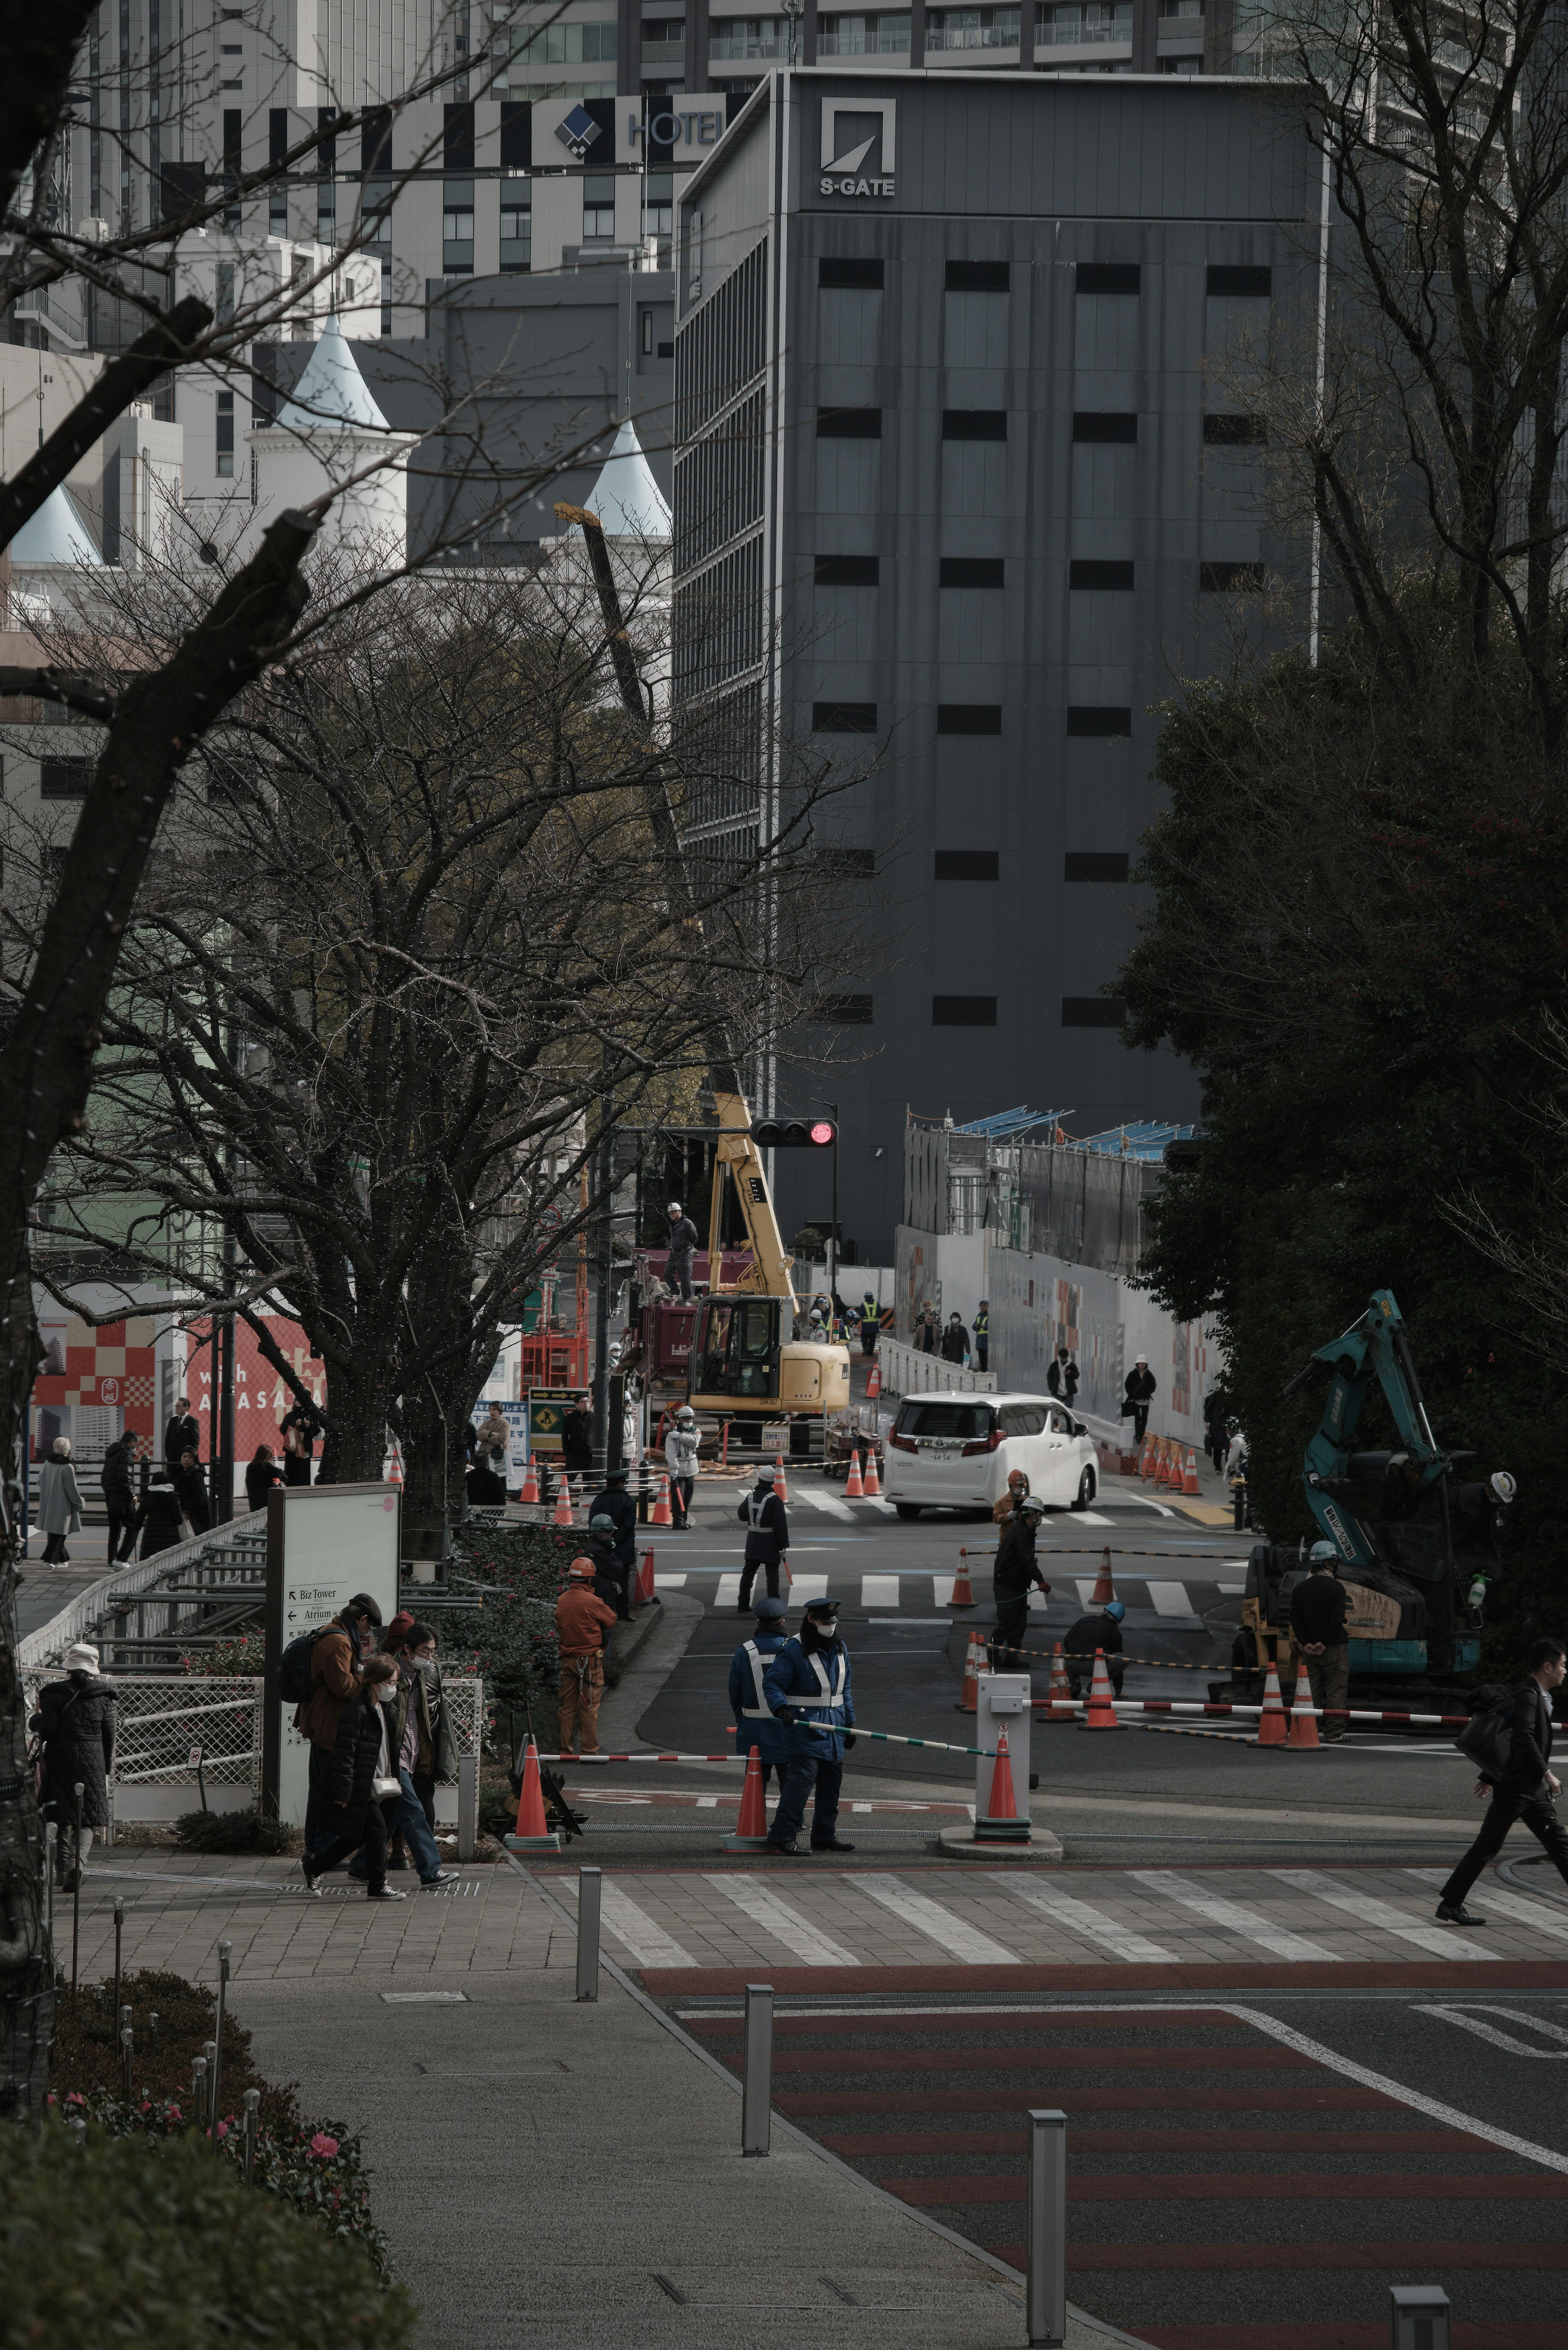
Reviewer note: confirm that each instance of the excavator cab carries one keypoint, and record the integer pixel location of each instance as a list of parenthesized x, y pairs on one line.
[(735, 1351)]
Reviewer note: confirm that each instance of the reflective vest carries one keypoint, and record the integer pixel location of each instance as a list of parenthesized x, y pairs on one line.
[(832, 1691), (761, 1711)]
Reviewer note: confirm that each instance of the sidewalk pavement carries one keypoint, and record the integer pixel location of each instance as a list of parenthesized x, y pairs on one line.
[(553, 2173)]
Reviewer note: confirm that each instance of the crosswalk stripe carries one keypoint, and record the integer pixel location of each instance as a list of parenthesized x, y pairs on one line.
[(1091, 1518), (1085, 1590), (1545, 1920), (804, 1588), (1170, 1599), (942, 1589), (875, 1501), (878, 1591), (1441, 1940), (808, 1942), (649, 1945), (727, 1592), (1091, 1924), (664, 1581), (830, 1502), (1231, 1913), (939, 1925)]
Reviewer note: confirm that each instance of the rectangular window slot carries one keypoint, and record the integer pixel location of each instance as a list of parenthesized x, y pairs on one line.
[(971, 571), (1097, 719), (1231, 578), (968, 718), (977, 277), (1115, 576), (847, 570), (849, 424), (1226, 277), (1092, 1012), (1227, 431), (969, 865), (844, 718), (846, 1012), (1109, 277), (850, 270), (964, 1010), (1105, 424), (1096, 865), (974, 425)]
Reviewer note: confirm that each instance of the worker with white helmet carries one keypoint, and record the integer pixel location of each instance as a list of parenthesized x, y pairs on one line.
[(680, 1448), (682, 1242)]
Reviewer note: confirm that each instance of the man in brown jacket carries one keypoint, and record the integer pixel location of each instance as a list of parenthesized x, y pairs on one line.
[(1004, 1512), (336, 1678), (583, 1624)]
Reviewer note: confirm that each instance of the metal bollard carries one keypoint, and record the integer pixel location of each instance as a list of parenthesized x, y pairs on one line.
[(77, 1891), (467, 1805), (590, 1889), (223, 1949), (127, 2042), (118, 1930), (252, 2120), (1047, 2230), (152, 2026), (757, 2094), (51, 1849), (1419, 2317), (199, 2092)]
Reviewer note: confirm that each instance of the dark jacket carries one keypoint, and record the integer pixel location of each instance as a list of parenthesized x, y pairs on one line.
[(616, 1503), (158, 1518), (1530, 1709), (606, 1569), (119, 1491), (76, 1718), (261, 1476), (955, 1343), (334, 1672), (182, 1436), (306, 1428), (1092, 1632), (755, 1722), (1318, 1609), (925, 1335), (577, 1440), (351, 1766), (1061, 1379), (1139, 1386), (435, 1754), (1016, 1570), (767, 1527), (683, 1236), (1477, 1518), (190, 1484)]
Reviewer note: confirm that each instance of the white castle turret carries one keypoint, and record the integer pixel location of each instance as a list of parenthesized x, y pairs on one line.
[(328, 431)]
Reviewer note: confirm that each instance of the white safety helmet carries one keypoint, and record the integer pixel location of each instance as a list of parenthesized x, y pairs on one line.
[(1502, 1485), (686, 1416), (673, 1208)]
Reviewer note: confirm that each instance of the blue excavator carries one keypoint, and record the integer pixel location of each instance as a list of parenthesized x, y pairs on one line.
[(1416, 1542)]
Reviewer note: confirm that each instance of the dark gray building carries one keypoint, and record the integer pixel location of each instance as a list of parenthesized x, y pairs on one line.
[(955, 457)]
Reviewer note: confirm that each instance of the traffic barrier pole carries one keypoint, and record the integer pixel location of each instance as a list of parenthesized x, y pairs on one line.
[(217, 2046), (757, 2090), (590, 1890), (77, 1890), (253, 2118), (118, 1930), (1046, 2289)]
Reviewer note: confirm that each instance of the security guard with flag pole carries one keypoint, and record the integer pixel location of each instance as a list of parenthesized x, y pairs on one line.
[(751, 1713), (808, 1687)]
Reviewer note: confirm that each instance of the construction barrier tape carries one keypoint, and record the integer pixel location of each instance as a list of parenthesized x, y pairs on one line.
[(1184, 1705), (891, 1738)]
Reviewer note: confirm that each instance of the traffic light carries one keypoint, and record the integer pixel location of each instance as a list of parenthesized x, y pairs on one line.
[(799, 1134)]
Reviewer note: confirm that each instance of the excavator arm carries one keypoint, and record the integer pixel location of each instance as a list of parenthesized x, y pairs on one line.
[(1376, 1348), (767, 1275)]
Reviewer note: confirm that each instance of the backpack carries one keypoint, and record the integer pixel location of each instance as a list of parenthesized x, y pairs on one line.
[(1488, 1737), (293, 1682)]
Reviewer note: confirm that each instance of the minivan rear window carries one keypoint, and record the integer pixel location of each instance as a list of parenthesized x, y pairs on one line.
[(927, 1415)]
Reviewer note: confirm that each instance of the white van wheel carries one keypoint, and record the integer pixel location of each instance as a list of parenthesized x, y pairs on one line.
[(1086, 1490), (908, 1509)]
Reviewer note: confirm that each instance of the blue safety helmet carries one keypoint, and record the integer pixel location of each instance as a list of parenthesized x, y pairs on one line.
[(1322, 1553), (769, 1611), (1115, 1610)]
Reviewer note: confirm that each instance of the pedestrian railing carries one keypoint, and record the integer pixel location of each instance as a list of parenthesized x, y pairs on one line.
[(88, 1610), (905, 1372)]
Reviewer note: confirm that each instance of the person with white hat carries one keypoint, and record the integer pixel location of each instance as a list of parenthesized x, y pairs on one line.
[(75, 1722), (1137, 1393)]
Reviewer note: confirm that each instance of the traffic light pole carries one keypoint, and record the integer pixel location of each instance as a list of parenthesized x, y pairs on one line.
[(832, 1236)]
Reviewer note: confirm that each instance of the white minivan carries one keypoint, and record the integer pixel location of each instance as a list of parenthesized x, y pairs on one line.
[(956, 1453)]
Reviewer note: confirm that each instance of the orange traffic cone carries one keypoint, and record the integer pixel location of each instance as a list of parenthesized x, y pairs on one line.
[(531, 1835), (1272, 1730), (1102, 1714), (969, 1697), (873, 1482), (854, 1491), (1146, 1463), (964, 1590), (645, 1590), (1105, 1589), (1161, 1463), (874, 1378), (1000, 1822), (563, 1503), (1189, 1481), (662, 1516), (1303, 1738), (1059, 1696), (780, 1488), (530, 1482), (751, 1827)]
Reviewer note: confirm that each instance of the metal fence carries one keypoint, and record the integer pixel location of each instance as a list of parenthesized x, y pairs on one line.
[(48, 1644)]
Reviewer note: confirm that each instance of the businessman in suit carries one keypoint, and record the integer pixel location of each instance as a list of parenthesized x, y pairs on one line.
[(1525, 1792)]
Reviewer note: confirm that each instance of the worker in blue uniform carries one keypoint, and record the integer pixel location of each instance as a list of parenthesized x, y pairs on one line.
[(751, 1712), (808, 1687)]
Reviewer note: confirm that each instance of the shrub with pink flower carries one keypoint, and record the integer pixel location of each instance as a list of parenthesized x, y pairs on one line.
[(324, 2146)]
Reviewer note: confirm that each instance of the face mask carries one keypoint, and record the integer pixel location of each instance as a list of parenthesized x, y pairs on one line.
[(386, 1693), (826, 1626)]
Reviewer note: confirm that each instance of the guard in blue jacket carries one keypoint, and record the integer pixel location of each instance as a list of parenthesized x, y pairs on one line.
[(807, 1686), (751, 1712)]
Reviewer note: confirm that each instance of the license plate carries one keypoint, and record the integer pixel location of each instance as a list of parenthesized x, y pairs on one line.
[(944, 1444)]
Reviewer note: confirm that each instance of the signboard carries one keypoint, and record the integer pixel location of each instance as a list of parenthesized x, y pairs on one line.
[(547, 1407), (325, 1544)]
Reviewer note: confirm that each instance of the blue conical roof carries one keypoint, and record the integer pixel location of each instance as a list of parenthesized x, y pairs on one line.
[(627, 499), (332, 392), (55, 534)]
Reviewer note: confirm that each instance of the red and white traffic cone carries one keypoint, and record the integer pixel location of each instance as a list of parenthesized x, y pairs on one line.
[(661, 1515), (752, 1828), (1000, 1822), (780, 1488), (531, 1834), (530, 1492), (854, 1491), (969, 1696), (963, 1589), (1272, 1728), (873, 1482), (563, 1503), (1102, 1714), (1105, 1590), (1060, 1703), (1303, 1738)]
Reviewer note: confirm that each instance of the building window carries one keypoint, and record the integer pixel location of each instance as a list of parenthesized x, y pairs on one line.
[(1095, 865), (1228, 279), (971, 571), (844, 860), (968, 865), (849, 424), (1090, 718), (1105, 424), (1230, 578), (1101, 577), (747, 36), (850, 270), (233, 156), (599, 209), (1227, 431), (376, 140), (974, 425), (968, 718), (658, 204), (1191, 11), (976, 277), (277, 148), (516, 135), (225, 303), (844, 718), (663, 32), (1108, 277), (972, 28), (846, 1012), (964, 1010), (457, 137), (568, 45), (225, 436), (847, 570), (1093, 1012), (862, 37), (386, 311), (1178, 65), (378, 205), (1080, 22), (457, 223), (65, 779)]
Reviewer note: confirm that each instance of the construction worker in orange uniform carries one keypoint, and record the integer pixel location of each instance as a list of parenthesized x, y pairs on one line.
[(583, 1625)]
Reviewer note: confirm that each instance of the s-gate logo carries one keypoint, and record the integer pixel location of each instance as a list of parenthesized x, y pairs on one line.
[(844, 174)]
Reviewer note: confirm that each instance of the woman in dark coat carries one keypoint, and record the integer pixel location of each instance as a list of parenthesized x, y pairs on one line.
[(76, 1719), (347, 1808), (262, 1473), (158, 1518)]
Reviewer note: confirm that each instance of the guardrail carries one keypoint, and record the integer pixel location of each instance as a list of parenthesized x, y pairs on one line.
[(905, 1372), (48, 1644)]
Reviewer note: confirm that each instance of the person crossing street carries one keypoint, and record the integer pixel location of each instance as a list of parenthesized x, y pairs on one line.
[(767, 1538), (807, 1688), (755, 1724), (1526, 1789), (1012, 1577)]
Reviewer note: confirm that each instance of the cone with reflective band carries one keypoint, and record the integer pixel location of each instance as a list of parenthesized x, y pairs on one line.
[(1000, 1822), (530, 1482), (531, 1835), (395, 1474), (1272, 1728), (645, 1590), (1060, 1693), (1190, 1484), (1162, 1463), (964, 1590), (1102, 1714), (780, 1488), (1105, 1589), (563, 1502), (969, 1698), (854, 1491), (873, 1482), (1303, 1738), (1145, 1462), (662, 1516), (874, 1378), (751, 1827)]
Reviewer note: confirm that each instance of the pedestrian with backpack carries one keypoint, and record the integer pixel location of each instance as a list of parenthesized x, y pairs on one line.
[(1511, 1740), (321, 1673)]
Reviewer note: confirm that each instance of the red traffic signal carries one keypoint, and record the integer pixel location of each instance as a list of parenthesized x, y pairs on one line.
[(799, 1134)]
